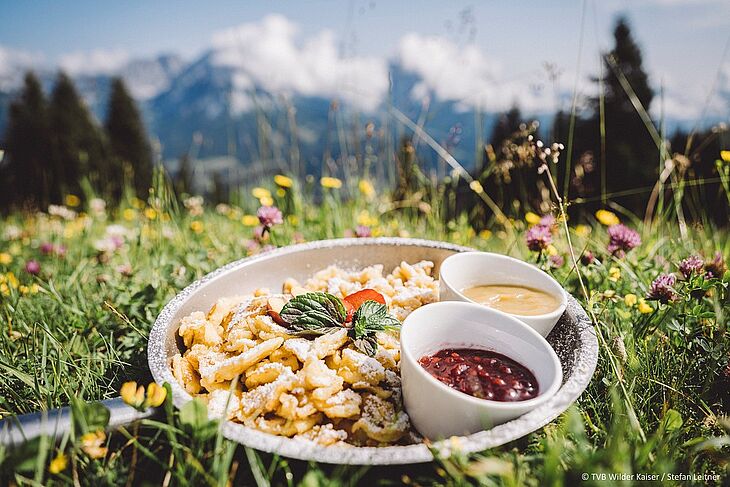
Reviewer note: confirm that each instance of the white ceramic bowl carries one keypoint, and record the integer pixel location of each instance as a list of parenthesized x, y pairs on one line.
[(438, 411), (467, 269)]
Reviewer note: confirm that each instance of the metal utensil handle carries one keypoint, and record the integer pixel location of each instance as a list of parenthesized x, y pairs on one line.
[(16, 430)]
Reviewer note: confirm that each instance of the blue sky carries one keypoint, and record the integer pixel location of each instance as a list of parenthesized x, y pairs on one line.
[(683, 40)]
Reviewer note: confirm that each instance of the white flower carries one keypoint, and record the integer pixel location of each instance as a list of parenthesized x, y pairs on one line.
[(12, 232), (61, 212), (97, 206), (114, 237), (194, 205), (168, 233), (105, 245), (116, 231)]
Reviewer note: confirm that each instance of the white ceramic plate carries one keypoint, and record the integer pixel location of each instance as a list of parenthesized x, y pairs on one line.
[(573, 339)]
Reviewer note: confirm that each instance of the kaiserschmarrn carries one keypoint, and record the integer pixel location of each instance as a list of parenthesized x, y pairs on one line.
[(250, 369)]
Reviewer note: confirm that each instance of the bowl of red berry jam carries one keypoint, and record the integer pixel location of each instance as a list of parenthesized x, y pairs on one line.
[(482, 373), (466, 368)]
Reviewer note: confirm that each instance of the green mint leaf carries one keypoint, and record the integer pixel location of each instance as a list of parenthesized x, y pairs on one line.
[(314, 313), (370, 317), (367, 345)]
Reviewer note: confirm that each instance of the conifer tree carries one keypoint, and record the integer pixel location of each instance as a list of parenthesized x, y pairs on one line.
[(77, 142), (183, 181), (127, 137), (27, 176), (631, 154), (507, 124), (221, 192)]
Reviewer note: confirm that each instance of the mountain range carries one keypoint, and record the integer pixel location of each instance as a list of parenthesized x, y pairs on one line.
[(189, 108), (207, 108)]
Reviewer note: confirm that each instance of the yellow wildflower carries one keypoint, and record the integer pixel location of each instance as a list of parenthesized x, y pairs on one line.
[(366, 188), (156, 395), (5, 258), (485, 234), (476, 186), (4, 289), (280, 193), (58, 464), (12, 280), (72, 200), (129, 214), (196, 226), (131, 394), (614, 274), (532, 218), (630, 300), (330, 182), (267, 201), (725, 155), (259, 193), (551, 250), (34, 288), (364, 218), (607, 218), (644, 308), (91, 444), (24, 289), (582, 230), (150, 213), (293, 220), (250, 220), (283, 181)]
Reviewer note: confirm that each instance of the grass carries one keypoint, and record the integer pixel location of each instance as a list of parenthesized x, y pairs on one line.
[(76, 330)]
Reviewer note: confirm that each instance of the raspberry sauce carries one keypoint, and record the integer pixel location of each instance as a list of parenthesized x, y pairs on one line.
[(482, 373)]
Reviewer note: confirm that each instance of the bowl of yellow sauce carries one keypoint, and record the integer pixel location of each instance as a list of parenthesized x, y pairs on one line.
[(505, 284)]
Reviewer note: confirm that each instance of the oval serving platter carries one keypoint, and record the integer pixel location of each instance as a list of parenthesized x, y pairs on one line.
[(573, 339)]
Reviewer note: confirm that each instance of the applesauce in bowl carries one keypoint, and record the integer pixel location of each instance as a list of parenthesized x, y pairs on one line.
[(505, 284), (513, 299)]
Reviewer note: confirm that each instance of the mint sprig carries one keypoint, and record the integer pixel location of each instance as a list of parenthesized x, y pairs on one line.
[(318, 313), (370, 318)]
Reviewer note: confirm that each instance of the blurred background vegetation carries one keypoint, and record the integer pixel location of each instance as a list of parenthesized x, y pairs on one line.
[(614, 154)]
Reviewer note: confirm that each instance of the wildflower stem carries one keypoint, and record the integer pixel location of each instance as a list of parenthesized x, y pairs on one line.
[(599, 332), (574, 104)]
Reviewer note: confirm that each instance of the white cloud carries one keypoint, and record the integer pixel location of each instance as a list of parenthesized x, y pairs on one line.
[(97, 61), (688, 101), (13, 65), (269, 54), (463, 74)]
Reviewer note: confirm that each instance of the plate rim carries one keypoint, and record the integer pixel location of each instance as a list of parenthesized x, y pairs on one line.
[(300, 449)]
